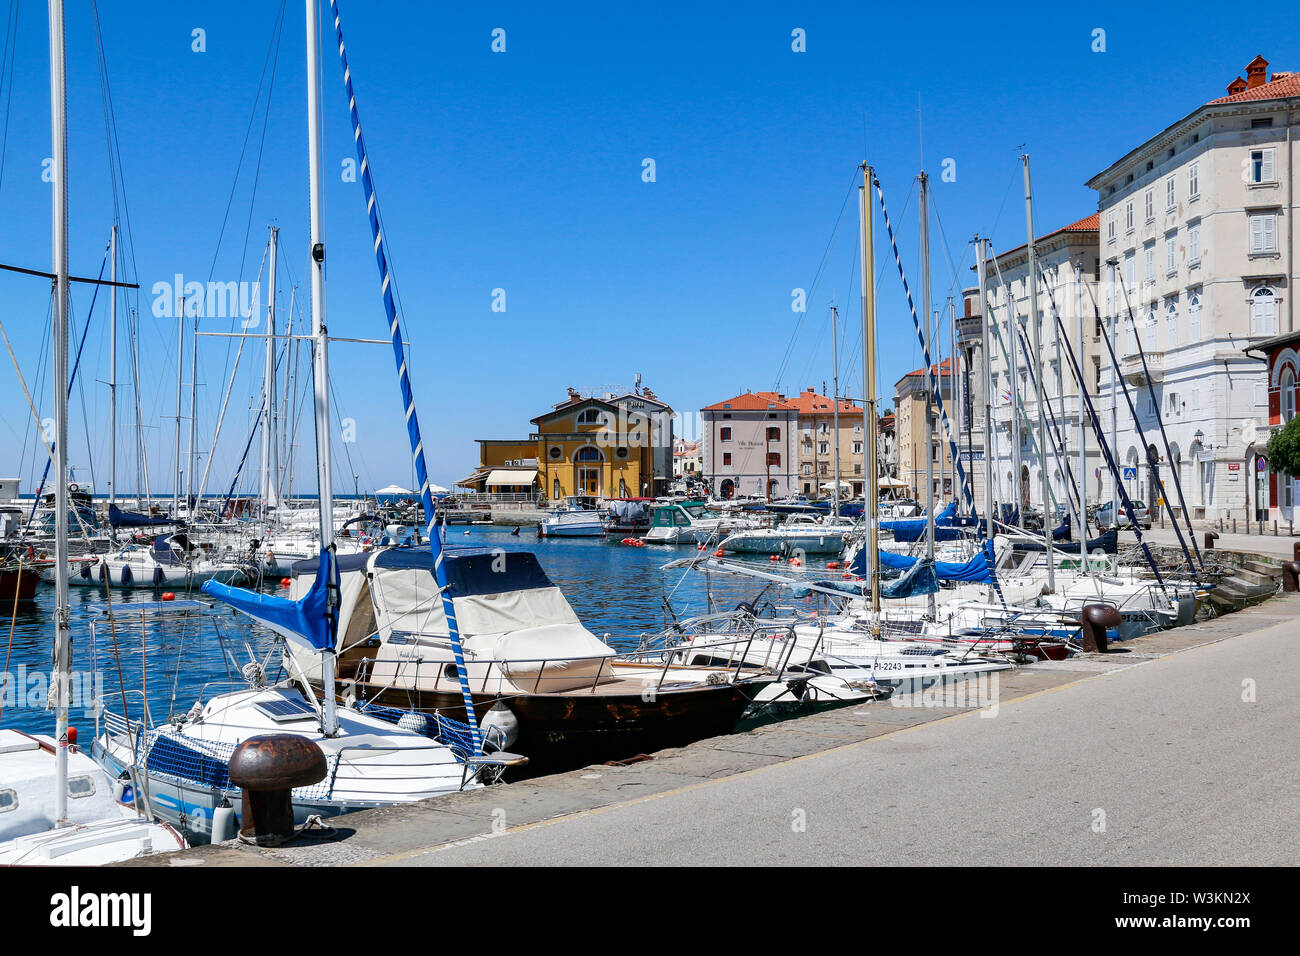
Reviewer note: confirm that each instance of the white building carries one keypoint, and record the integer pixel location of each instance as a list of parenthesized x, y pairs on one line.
[(1196, 224), (1067, 258)]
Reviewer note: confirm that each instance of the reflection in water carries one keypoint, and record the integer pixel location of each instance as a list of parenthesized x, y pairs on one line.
[(614, 589)]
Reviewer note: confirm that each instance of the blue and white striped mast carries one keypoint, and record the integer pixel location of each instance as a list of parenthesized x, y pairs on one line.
[(404, 382), (320, 352)]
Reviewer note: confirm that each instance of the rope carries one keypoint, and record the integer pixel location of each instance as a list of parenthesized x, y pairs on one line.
[(404, 384)]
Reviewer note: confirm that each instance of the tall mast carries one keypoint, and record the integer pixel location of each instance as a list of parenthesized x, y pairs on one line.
[(985, 318), (1082, 432), (320, 337), (835, 402), (871, 509), (1041, 403), (1114, 393), (62, 635), (929, 356), (954, 394), (178, 478), (112, 372), (269, 444), (190, 503)]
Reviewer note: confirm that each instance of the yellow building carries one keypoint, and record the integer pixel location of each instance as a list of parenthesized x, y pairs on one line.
[(583, 446)]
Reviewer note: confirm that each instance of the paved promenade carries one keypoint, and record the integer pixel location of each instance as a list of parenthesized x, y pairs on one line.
[(1279, 546), (1149, 755)]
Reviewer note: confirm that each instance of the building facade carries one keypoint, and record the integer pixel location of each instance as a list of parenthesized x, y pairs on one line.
[(1067, 287), (1197, 235), (614, 447), (910, 402), (1279, 491), (749, 446), (816, 416)]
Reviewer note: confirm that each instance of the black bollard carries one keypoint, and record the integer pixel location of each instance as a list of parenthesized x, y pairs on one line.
[(1097, 618), (1291, 575), (268, 767)]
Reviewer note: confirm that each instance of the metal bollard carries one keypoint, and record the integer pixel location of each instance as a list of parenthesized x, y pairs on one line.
[(267, 768), (1096, 619), (1295, 551), (1210, 538), (1291, 575)]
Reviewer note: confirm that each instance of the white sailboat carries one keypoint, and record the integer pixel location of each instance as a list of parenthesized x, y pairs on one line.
[(371, 761)]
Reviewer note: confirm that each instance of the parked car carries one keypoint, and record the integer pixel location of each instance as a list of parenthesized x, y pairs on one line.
[(1140, 515)]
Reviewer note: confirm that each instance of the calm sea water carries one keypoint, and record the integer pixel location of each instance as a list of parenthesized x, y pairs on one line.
[(614, 589)]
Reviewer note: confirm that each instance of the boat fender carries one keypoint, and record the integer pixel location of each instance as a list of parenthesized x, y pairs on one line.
[(224, 824), (103, 571), (158, 574), (85, 572), (500, 726)]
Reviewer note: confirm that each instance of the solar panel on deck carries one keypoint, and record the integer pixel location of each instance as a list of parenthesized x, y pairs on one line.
[(286, 709)]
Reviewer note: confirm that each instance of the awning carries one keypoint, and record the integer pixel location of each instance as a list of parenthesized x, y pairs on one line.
[(502, 477), (472, 480)]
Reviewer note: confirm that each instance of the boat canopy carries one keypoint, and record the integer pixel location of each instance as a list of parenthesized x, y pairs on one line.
[(131, 519), (919, 579)]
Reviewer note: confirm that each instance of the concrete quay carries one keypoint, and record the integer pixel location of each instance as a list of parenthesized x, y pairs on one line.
[(1175, 748)]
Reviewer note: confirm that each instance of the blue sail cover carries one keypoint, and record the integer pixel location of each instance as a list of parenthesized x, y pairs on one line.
[(975, 571), (1107, 542), (919, 579), (947, 526), (310, 619), (130, 519)]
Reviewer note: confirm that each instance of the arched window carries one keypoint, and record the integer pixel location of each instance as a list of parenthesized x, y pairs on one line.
[(1194, 317), (1172, 314), (1287, 386), (1149, 338), (589, 416), (1263, 312), (588, 453)]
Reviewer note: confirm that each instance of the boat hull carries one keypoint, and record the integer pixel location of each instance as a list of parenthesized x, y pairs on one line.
[(562, 731)]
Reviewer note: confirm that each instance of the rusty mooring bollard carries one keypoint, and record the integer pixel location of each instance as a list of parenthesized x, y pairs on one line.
[(268, 767), (1210, 538), (1097, 618), (1295, 551), (1291, 575)]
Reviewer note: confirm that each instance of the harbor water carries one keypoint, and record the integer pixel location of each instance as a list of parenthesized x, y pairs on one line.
[(616, 590)]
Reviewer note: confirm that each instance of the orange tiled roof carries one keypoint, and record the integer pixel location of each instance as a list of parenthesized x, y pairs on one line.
[(752, 402), (943, 368), (1282, 85), (809, 402)]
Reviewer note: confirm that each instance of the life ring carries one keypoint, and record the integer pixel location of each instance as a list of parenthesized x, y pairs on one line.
[(73, 487)]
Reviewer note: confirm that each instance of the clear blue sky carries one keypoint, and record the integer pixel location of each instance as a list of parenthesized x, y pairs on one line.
[(523, 171)]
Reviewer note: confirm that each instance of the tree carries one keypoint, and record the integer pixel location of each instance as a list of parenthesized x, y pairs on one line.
[(1284, 449)]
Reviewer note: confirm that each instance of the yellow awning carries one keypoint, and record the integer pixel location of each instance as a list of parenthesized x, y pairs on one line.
[(501, 476)]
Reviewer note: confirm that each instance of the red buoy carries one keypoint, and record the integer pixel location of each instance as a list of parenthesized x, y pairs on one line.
[(832, 565), (718, 553), (285, 582), (168, 596)]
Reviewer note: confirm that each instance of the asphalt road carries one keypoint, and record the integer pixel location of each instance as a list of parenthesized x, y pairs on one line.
[(1159, 763)]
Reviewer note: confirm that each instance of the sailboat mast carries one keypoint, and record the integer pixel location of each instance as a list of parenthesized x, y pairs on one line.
[(268, 429), (924, 180), (320, 336), (62, 635), (985, 317), (1038, 379), (1113, 264), (835, 402), (871, 498), (112, 371), (1083, 434), (178, 478), (190, 503)]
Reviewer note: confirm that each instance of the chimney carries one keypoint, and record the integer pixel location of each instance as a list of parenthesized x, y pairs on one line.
[(573, 393), (1236, 86), (1256, 72)]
